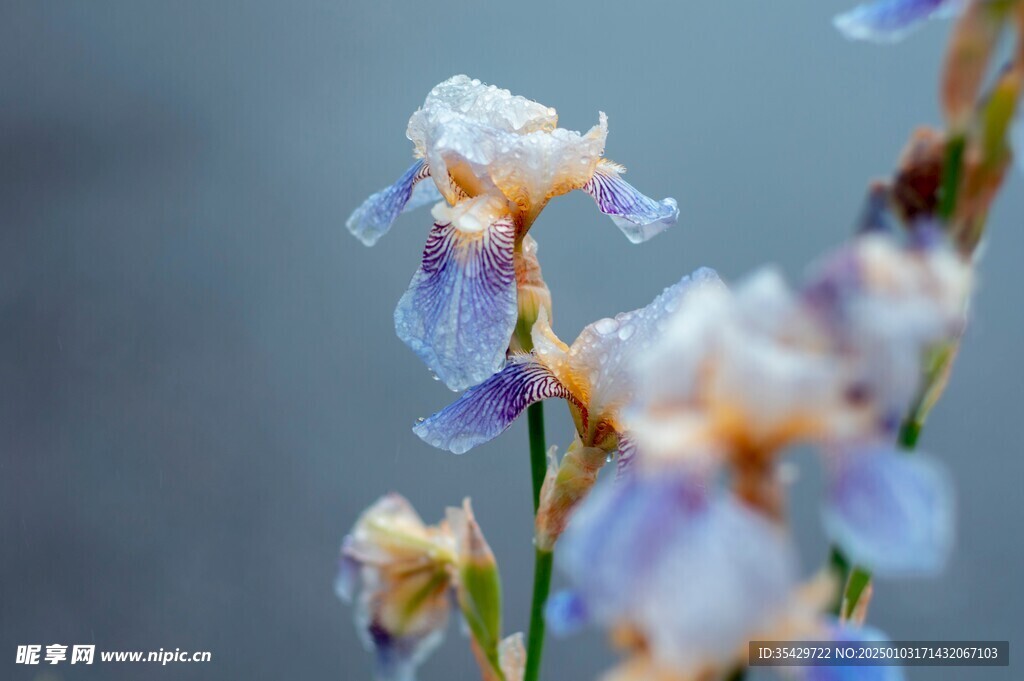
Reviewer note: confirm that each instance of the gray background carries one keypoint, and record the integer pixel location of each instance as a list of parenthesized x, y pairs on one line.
[(200, 382)]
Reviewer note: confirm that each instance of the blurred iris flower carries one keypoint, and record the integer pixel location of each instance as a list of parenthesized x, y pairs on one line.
[(888, 21), (688, 555), (496, 160)]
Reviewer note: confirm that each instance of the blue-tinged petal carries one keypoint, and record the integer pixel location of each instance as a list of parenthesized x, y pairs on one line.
[(694, 572), (486, 410), (888, 21), (460, 309), (566, 613), (373, 218), (844, 633), (638, 216), (891, 512), (397, 658)]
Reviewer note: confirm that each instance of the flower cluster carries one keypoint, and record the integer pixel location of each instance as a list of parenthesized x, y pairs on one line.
[(688, 553), (684, 555)]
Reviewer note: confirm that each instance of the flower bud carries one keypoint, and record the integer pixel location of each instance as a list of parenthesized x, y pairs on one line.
[(986, 160), (565, 485), (533, 295), (970, 50), (478, 586)]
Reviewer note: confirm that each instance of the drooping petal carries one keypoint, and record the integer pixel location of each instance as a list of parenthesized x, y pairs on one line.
[(888, 21), (890, 511), (460, 309), (844, 633), (488, 409), (398, 658), (638, 216), (374, 217), (696, 573)]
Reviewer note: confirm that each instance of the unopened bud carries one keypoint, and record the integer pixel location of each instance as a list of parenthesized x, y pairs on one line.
[(478, 587), (565, 485), (533, 295), (970, 49)]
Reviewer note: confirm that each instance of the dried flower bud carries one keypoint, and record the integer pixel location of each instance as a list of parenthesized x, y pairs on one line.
[(970, 50), (915, 189), (566, 484), (986, 160), (511, 660)]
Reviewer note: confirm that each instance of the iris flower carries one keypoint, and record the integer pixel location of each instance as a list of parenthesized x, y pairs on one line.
[(399, 571), (737, 376), (496, 160), (888, 21), (593, 375)]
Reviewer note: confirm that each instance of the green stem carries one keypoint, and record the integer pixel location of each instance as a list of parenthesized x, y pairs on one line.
[(538, 450), (951, 176), (542, 559)]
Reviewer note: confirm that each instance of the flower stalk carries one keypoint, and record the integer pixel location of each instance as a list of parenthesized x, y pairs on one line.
[(542, 559)]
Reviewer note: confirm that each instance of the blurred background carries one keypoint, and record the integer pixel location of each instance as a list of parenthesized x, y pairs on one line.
[(200, 382)]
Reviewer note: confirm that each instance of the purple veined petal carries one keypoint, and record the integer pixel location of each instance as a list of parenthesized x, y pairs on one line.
[(888, 21), (374, 217), (891, 512), (627, 457), (638, 216), (488, 409), (460, 309), (843, 633)]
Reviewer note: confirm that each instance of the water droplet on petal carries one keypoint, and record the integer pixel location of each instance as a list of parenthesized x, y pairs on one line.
[(421, 419), (435, 377), (625, 332), (608, 459), (606, 326)]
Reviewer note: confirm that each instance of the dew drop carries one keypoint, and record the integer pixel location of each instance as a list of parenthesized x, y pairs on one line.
[(421, 419), (625, 332), (608, 459), (606, 326), (435, 377)]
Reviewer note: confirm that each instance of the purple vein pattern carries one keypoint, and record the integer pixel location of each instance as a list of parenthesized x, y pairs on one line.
[(460, 309), (374, 217), (487, 410), (637, 215)]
